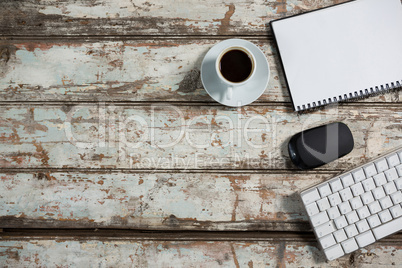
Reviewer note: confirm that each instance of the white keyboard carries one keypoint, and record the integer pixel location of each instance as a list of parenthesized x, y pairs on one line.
[(358, 207)]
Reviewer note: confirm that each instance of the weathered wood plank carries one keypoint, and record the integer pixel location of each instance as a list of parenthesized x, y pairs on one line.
[(134, 253), (160, 201), (134, 17), (141, 70), (180, 137), (136, 70)]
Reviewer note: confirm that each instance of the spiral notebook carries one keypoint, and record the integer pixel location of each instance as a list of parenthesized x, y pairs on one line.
[(341, 52)]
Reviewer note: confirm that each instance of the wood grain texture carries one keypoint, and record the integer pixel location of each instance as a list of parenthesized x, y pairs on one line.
[(131, 70), (133, 253), (85, 142), (160, 201), (180, 137), (134, 17), (140, 70)]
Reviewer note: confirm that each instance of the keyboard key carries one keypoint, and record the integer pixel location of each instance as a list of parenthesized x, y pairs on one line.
[(340, 222), (389, 188), (325, 229), (347, 180), (344, 207), (380, 179), (310, 196), (381, 165), (387, 228), (324, 190), (368, 184), (385, 216), (319, 219), (334, 252), (396, 197), (363, 212), (398, 183), (336, 185), (386, 202), (346, 194), (399, 170), (367, 198), (312, 209), (393, 160), (374, 207), (340, 236), (396, 211), (351, 230), (323, 204), (365, 239), (357, 189), (370, 170), (362, 226), (334, 199), (327, 241), (352, 217), (374, 221), (391, 174), (356, 203), (349, 245), (358, 175), (378, 193), (333, 213)]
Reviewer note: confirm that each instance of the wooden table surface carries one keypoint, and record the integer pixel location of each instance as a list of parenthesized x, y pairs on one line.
[(112, 153)]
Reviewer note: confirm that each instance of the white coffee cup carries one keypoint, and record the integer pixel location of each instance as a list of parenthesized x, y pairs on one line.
[(230, 85), (246, 89)]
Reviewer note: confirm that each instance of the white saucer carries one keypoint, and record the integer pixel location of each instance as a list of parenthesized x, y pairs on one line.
[(242, 95)]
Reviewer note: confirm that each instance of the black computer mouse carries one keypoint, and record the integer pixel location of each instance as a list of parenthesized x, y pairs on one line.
[(318, 146)]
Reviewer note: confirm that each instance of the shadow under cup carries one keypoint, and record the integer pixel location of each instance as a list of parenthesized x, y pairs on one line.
[(236, 64)]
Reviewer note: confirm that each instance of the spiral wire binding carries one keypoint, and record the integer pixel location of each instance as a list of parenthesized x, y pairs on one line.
[(361, 94)]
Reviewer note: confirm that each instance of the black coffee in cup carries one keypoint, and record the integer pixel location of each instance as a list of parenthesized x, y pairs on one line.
[(236, 65)]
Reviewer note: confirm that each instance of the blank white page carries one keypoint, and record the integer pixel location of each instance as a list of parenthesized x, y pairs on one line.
[(344, 49)]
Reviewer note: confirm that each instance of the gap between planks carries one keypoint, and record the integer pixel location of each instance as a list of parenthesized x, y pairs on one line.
[(358, 103), (119, 234), (190, 171), (96, 38)]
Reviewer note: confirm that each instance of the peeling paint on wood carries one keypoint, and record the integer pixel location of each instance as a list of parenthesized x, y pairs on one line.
[(132, 17), (115, 71), (186, 137), (168, 201), (123, 166), (43, 253), (161, 70)]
